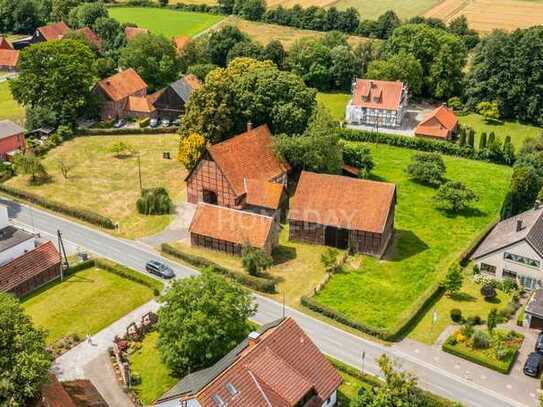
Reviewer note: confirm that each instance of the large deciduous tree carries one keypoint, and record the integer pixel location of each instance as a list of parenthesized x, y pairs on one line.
[(24, 361), (153, 57), (20, 16), (508, 68), (248, 91), (86, 14), (56, 74), (201, 319), (400, 67)]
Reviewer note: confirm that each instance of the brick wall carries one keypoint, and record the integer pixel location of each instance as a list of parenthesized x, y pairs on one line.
[(27, 286), (208, 176), (306, 232)]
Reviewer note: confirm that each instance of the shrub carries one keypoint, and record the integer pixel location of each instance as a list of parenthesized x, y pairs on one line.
[(451, 340), (467, 330), (508, 311), (191, 148), (509, 285), (456, 315), (488, 291), (454, 196), (154, 201), (255, 260), (474, 320), (359, 157), (427, 168), (135, 378), (480, 340), (455, 104), (81, 214), (257, 283)]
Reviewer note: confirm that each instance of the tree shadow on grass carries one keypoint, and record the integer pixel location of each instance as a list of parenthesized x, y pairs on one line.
[(469, 212), (463, 297), (494, 300), (375, 177), (283, 254), (404, 245)]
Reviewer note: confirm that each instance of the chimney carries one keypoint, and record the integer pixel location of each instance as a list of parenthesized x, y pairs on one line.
[(252, 339), (519, 225), (249, 125)]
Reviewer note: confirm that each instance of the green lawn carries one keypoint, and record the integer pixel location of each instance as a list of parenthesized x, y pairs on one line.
[(381, 292), (335, 102), (9, 109), (163, 21), (518, 131), (469, 300), (371, 9), (84, 303), (155, 376)]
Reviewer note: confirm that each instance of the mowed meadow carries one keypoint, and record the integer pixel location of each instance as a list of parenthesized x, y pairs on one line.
[(170, 23), (380, 292)]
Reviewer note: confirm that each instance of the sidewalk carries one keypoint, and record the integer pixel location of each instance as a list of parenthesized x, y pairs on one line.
[(516, 385)]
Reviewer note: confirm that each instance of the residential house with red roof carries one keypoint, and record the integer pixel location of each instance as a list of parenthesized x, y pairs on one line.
[(8, 60), (50, 32), (76, 393), (343, 212), (124, 95), (4, 43), (277, 366), (91, 37), (377, 103), (12, 138), (440, 124), (242, 172)]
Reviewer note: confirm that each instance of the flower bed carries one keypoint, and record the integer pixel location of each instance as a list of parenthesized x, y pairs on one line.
[(497, 352)]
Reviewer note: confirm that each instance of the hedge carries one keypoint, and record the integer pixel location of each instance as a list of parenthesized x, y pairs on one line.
[(82, 214), (479, 359), (80, 266), (415, 143), (257, 283), (126, 131), (435, 400)]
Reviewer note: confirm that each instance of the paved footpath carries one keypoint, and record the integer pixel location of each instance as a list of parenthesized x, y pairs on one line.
[(438, 376)]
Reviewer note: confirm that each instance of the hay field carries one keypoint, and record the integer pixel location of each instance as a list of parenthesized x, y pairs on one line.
[(487, 15), (264, 33)]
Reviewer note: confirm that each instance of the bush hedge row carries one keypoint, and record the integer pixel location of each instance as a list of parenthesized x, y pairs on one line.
[(126, 131), (433, 399), (257, 283), (416, 143), (82, 214), (80, 266), (479, 359)]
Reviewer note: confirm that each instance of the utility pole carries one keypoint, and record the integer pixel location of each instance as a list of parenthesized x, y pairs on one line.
[(363, 362), (62, 252)]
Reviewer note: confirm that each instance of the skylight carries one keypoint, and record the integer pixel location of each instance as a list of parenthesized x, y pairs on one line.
[(231, 389)]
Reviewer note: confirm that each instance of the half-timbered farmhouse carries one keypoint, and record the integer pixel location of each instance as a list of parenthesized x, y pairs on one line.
[(343, 212)]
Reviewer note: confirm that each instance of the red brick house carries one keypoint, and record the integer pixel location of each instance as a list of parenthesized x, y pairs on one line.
[(277, 366), (50, 32), (228, 230), (236, 172), (12, 139), (440, 124), (8, 60), (30, 271), (123, 95), (343, 212)]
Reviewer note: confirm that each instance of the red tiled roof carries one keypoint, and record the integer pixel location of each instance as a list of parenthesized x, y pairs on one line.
[(375, 94), (132, 32), (91, 36), (231, 225), (263, 193), (54, 31), (439, 123), (248, 155), (9, 57), (284, 362), (181, 42), (28, 265), (342, 202), (53, 394), (140, 104), (5, 44), (122, 84)]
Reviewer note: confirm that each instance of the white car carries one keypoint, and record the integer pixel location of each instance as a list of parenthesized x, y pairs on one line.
[(165, 123)]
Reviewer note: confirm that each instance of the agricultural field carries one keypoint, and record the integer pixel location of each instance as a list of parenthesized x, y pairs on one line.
[(85, 302), (102, 183), (9, 109), (166, 22), (264, 33), (487, 15), (427, 241)]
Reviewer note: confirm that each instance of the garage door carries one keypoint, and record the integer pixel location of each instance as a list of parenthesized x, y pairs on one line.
[(536, 323)]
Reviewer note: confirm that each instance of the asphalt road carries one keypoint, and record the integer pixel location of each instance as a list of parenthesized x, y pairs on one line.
[(332, 341)]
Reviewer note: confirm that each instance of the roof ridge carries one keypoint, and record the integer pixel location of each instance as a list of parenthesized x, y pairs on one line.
[(235, 210)]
